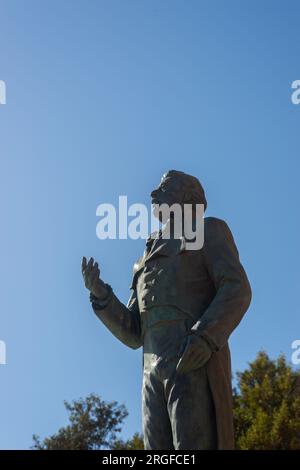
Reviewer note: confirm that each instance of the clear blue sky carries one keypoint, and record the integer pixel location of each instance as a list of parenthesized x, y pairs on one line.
[(102, 98)]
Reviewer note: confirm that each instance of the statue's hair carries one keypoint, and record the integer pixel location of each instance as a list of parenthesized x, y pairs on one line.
[(191, 186)]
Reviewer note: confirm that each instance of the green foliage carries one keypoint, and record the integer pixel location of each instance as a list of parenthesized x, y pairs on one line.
[(266, 414), (136, 443), (267, 405), (93, 425)]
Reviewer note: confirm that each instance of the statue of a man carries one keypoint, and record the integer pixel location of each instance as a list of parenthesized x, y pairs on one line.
[(183, 307)]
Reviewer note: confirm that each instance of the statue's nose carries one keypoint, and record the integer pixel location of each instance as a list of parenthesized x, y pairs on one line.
[(154, 193)]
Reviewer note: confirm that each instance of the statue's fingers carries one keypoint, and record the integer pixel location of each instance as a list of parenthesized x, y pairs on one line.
[(201, 362), (96, 270), (90, 266), (83, 264), (89, 276), (183, 361), (87, 281), (179, 367), (94, 274), (98, 267), (188, 361), (183, 367), (193, 364), (202, 358), (185, 354)]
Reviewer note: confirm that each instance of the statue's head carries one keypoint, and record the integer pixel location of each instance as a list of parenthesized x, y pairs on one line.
[(177, 187)]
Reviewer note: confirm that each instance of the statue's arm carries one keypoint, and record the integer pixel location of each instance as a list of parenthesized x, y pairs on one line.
[(233, 291), (123, 321)]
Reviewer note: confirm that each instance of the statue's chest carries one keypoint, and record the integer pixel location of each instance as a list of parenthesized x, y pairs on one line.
[(165, 277)]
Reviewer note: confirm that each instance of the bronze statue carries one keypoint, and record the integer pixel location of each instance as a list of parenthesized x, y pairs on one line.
[(183, 307)]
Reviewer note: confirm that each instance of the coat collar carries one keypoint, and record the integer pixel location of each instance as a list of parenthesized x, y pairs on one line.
[(156, 247), (164, 247)]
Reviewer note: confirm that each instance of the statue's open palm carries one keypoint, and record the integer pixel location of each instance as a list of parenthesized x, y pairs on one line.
[(91, 277)]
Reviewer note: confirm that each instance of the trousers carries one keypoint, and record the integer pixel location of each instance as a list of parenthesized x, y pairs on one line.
[(177, 409)]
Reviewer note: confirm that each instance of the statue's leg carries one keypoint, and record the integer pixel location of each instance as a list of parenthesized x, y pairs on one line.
[(156, 423), (191, 410)]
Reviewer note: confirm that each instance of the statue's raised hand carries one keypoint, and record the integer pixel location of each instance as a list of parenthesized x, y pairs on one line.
[(92, 281)]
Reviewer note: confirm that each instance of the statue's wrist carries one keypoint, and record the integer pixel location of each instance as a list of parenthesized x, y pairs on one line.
[(100, 303)]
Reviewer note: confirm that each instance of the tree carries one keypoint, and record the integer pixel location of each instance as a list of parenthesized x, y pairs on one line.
[(136, 443), (266, 414), (267, 405), (94, 424)]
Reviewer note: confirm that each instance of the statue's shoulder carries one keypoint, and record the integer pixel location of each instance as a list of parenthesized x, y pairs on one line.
[(214, 227), (214, 222), (217, 232)]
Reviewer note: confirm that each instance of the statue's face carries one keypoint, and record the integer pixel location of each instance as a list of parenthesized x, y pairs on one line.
[(168, 192)]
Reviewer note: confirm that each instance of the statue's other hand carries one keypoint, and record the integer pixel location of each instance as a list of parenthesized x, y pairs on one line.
[(197, 352), (91, 276)]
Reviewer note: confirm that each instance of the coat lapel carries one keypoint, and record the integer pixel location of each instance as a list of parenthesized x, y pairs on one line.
[(165, 247)]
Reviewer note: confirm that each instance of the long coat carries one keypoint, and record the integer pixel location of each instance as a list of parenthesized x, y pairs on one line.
[(209, 284)]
